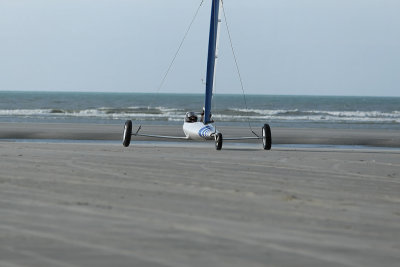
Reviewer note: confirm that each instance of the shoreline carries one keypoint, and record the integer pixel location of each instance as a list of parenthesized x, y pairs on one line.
[(280, 136), (201, 145)]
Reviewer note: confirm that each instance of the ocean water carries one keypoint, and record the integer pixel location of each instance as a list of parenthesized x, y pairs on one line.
[(279, 111)]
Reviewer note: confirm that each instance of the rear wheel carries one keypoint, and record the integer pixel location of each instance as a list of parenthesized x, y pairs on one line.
[(218, 141), (266, 137), (126, 138)]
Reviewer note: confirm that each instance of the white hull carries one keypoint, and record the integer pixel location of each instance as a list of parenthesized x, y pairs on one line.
[(199, 131)]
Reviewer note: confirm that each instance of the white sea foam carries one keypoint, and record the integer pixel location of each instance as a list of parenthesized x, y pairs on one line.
[(295, 113), (24, 112), (261, 111), (172, 114)]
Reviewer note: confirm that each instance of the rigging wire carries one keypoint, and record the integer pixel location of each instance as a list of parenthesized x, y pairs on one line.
[(237, 66), (180, 46), (176, 53)]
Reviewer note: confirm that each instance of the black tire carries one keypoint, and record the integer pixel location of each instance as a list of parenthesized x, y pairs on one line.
[(218, 141), (266, 137), (126, 138)]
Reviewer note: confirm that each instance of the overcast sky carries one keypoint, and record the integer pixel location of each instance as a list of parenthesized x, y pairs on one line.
[(329, 47)]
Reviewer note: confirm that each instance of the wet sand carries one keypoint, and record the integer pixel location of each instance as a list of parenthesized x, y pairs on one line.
[(189, 205), (70, 131)]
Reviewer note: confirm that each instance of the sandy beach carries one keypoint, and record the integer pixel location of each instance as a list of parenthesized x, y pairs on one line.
[(186, 204)]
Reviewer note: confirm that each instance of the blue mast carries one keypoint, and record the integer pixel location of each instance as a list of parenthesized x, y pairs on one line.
[(212, 50)]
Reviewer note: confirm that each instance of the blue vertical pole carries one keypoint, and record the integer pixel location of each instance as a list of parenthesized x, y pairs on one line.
[(212, 49)]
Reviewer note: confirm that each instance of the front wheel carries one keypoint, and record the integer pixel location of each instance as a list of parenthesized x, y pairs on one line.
[(266, 137), (126, 138), (218, 141)]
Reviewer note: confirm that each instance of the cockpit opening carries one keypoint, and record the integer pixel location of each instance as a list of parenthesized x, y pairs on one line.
[(191, 117)]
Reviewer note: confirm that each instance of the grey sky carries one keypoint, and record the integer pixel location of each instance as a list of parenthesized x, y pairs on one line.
[(330, 47)]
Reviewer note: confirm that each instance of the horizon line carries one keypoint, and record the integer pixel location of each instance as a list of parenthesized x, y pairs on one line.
[(187, 93)]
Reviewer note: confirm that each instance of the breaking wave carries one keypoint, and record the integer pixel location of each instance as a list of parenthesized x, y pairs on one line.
[(226, 115)]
